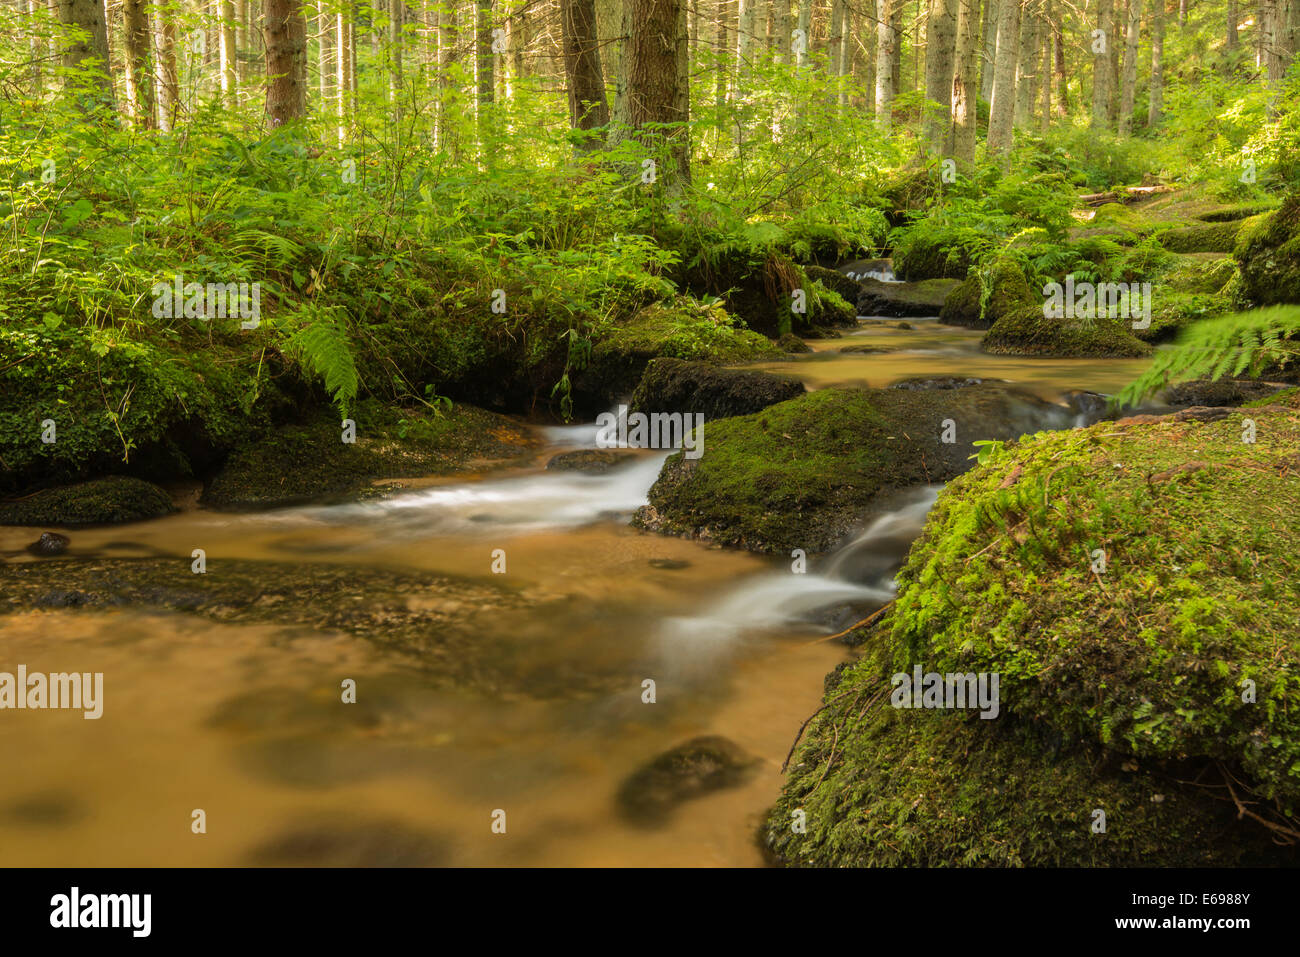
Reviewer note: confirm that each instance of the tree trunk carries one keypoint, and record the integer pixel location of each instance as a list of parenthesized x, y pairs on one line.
[(286, 61), (1002, 107), (805, 24), (988, 48), (1100, 46), (1062, 84), (91, 44), (1232, 23), (655, 74), (1027, 61), (1156, 106), (782, 30), (1129, 87), (166, 75), (965, 84), (396, 36), (587, 106), (447, 31), (886, 59), (483, 61), (940, 39), (139, 91)]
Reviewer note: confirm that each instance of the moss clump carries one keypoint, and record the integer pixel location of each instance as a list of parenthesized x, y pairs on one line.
[(1198, 274), (1201, 238), (791, 343), (962, 307), (300, 463), (674, 385), (1173, 311), (804, 473), (896, 299), (838, 283), (1025, 331), (698, 767), (933, 254), (1268, 249), (1121, 690), (985, 296), (101, 502), (681, 328)]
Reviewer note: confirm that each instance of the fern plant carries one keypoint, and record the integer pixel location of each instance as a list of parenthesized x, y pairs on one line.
[(1244, 343), (319, 343)]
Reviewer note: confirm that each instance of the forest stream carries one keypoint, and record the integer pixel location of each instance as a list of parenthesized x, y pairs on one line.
[(412, 774)]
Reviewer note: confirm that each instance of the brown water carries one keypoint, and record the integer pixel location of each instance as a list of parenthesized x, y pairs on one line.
[(244, 720)]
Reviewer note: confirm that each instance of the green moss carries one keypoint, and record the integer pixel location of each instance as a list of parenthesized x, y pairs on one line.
[(678, 386), (1026, 332), (803, 473), (300, 463), (1201, 238), (1173, 311), (1268, 249), (101, 502), (933, 254), (962, 307), (835, 281)]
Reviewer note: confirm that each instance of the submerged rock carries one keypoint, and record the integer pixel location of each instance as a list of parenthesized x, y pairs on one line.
[(673, 385), (698, 767), (590, 461), (99, 502), (804, 473), (49, 544), (1224, 392)]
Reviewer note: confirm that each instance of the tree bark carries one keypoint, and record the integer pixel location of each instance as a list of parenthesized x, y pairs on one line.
[(965, 85), (586, 85), (1002, 107), (483, 64), (286, 61), (91, 45), (988, 48), (1129, 87), (1100, 46), (1062, 85), (656, 81), (940, 39), (1027, 61), (139, 91), (887, 13), (1156, 106), (1232, 23)]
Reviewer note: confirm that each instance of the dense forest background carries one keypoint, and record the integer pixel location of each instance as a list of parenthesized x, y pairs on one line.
[(462, 201)]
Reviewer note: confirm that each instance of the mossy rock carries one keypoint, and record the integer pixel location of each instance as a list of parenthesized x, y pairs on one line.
[(1199, 591), (962, 307), (1174, 311), (897, 299), (1200, 238), (1027, 332), (681, 328), (1225, 392), (678, 386), (1199, 274), (886, 787), (591, 461), (838, 283), (806, 472), (294, 464), (935, 254), (1008, 289), (790, 343), (103, 501), (1268, 250)]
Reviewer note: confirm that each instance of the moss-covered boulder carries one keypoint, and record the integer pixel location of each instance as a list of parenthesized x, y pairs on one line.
[(790, 343), (1174, 311), (682, 328), (1200, 238), (674, 385), (1007, 289), (1025, 331), (590, 461), (101, 502), (1268, 251), (307, 462), (806, 472), (838, 283), (897, 299), (1149, 687), (929, 253)]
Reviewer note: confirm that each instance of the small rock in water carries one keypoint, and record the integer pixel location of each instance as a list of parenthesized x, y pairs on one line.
[(672, 564), (50, 543), (701, 765), (589, 461)]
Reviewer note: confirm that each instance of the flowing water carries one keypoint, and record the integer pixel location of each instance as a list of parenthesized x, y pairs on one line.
[(243, 718)]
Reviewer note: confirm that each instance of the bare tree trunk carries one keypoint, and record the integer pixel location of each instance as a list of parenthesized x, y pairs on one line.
[(1100, 46), (483, 63), (656, 81), (396, 40), (1156, 107), (1045, 72), (1026, 64), (988, 48), (1062, 84), (139, 91), (587, 106), (227, 53), (447, 31), (1002, 108), (166, 75), (965, 85), (1129, 87), (1232, 23), (805, 24), (886, 59), (940, 39), (286, 61), (782, 30), (88, 16)]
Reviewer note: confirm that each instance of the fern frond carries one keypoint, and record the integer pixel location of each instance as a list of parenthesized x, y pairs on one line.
[(320, 344)]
